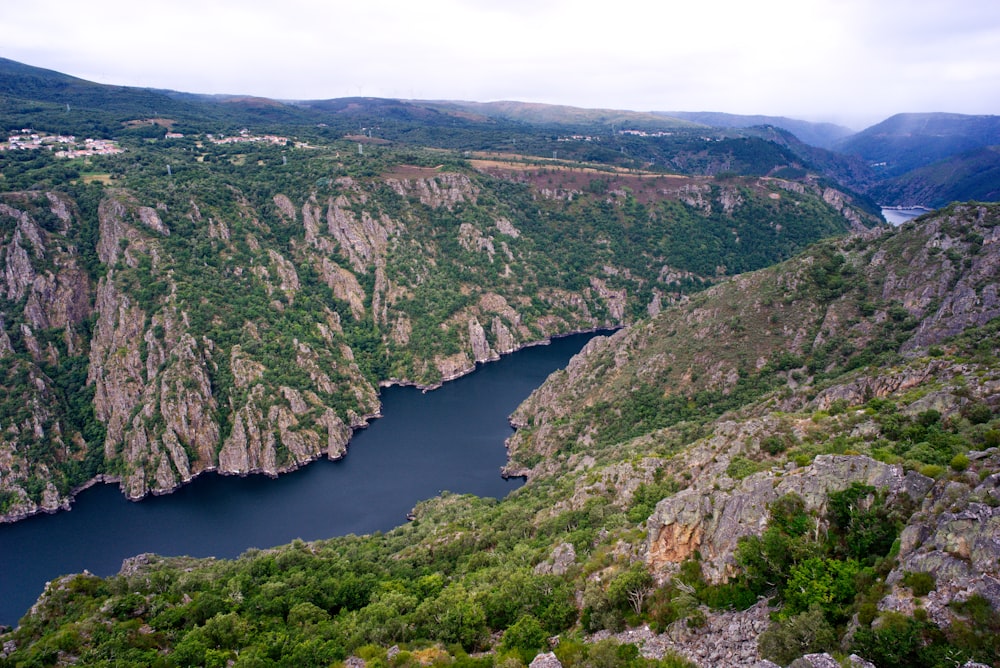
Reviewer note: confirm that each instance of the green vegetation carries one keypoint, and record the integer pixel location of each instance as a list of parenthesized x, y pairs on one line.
[(247, 280), (404, 247)]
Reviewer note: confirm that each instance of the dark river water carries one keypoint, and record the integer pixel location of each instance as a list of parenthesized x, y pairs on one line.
[(449, 439)]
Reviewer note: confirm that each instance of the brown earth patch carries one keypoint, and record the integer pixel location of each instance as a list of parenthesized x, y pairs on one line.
[(143, 122), (411, 172), (646, 187)]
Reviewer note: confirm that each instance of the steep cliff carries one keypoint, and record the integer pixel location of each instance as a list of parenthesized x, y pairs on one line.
[(235, 319), (814, 472)]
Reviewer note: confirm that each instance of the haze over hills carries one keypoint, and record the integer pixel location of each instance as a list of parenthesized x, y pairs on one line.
[(673, 141), (907, 141), (971, 175), (823, 135), (791, 446)]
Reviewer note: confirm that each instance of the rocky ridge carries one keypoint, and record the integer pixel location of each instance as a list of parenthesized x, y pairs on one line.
[(646, 523), (209, 347)]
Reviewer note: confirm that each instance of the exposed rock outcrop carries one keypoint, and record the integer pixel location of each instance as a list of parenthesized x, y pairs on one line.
[(712, 521), (954, 537)]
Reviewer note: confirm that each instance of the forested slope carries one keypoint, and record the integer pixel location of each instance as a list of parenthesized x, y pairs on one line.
[(194, 304), (821, 434)]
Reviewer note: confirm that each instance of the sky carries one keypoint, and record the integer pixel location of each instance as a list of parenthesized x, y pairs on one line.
[(854, 62)]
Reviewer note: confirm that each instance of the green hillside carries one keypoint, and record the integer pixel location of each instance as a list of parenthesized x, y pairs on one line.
[(973, 175), (849, 405)]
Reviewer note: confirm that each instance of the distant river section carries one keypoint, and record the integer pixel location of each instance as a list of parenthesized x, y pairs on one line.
[(449, 439), (896, 216)]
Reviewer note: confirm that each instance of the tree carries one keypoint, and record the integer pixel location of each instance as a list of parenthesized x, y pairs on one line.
[(824, 583), (526, 637), (805, 633), (630, 588)]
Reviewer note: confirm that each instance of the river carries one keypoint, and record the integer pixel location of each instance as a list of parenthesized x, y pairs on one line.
[(903, 214), (449, 439)]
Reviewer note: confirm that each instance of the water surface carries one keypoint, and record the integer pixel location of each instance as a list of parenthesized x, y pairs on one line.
[(899, 215), (449, 439)]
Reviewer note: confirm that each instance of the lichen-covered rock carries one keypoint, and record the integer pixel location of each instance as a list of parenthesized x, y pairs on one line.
[(712, 521), (562, 558), (824, 660), (955, 537), (545, 660)]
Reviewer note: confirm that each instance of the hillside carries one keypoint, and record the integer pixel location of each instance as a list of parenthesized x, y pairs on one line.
[(233, 304), (908, 141), (821, 135), (816, 440), (561, 115), (973, 175)]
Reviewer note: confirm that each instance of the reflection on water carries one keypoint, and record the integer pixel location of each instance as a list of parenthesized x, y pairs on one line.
[(899, 215)]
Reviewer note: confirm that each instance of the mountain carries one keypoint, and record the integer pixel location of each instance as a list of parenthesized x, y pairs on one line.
[(973, 175), (822, 135), (797, 460), (233, 303), (905, 142), (555, 115), (772, 457)]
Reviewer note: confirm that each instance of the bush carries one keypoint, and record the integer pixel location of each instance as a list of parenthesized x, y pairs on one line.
[(959, 462), (931, 470), (977, 413), (787, 640), (921, 583), (526, 637), (741, 467), (773, 445)]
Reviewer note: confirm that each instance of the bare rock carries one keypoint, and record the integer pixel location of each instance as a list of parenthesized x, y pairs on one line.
[(824, 660), (562, 558), (956, 538), (546, 660), (481, 351), (505, 341), (712, 521), (345, 286)]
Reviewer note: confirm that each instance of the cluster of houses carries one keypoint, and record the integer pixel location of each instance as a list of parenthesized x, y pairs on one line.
[(67, 145), (245, 136), (579, 138), (644, 133)]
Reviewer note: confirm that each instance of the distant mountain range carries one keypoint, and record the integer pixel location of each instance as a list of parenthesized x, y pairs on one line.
[(908, 141), (823, 135), (894, 162)]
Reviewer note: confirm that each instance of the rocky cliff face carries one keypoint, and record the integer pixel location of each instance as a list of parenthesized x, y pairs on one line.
[(47, 297), (711, 521), (897, 291), (207, 329), (955, 538)]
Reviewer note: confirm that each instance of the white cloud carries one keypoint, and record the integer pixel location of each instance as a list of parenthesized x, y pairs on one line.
[(820, 59)]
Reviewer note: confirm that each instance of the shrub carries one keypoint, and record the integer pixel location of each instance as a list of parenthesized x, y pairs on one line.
[(788, 639), (931, 470), (526, 637), (773, 445), (741, 467), (921, 583), (977, 413), (959, 462)]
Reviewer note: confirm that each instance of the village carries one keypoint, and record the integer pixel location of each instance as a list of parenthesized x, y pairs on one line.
[(66, 146)]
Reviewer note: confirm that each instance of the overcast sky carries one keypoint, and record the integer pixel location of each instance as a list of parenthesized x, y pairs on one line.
[(849, 61)]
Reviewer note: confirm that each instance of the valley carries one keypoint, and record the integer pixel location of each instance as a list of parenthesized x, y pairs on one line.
[(788, 446)]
